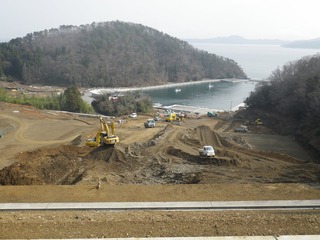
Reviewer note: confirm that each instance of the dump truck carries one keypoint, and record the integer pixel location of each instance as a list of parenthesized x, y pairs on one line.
[(105, 136)]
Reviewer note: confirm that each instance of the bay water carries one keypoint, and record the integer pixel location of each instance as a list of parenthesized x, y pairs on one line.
[(218, 95), (257, 61)]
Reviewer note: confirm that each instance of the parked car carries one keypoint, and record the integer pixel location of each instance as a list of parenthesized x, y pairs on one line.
[(242, 129), (150, 123), (133, 115)]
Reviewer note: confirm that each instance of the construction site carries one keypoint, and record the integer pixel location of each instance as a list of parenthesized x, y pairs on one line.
[(46, 157)]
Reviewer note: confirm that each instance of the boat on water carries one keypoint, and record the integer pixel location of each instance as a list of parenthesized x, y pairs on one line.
[(178, 89), (157, 105), (210, 85)]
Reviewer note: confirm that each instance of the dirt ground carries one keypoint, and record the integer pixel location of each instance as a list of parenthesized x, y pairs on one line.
[(43, 159)]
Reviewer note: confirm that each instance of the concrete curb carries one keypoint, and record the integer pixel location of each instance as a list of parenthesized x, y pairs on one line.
[(174, 206)]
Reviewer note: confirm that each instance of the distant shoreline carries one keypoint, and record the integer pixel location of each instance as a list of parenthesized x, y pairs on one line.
[(102, 91)]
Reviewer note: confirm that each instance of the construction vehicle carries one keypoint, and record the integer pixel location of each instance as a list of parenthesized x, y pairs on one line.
[(170, 117), (207, 151), (105, 136), (255, 122), (212, 114), (258, 122)]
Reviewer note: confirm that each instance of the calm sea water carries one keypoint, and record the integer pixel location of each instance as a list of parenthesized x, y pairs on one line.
[(257, 61), (219, 95)]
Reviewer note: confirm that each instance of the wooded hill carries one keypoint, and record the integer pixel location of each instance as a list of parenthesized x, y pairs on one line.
[(290, 102), (109, 54)]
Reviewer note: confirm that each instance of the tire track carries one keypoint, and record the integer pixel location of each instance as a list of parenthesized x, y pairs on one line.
[(22, 127)]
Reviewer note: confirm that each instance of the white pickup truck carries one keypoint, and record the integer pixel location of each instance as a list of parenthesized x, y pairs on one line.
[(242, 129), (207, 151), (150, 123)]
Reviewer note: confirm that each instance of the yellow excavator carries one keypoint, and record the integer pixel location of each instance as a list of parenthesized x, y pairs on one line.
[(105, 136)]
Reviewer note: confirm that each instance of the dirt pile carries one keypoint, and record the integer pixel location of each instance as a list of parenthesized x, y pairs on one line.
[(59, 165)]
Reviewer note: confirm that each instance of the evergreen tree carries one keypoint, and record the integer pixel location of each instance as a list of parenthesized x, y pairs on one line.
[(72, 99)]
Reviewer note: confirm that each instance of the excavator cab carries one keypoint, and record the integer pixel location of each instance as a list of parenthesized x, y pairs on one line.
[(106, 135)]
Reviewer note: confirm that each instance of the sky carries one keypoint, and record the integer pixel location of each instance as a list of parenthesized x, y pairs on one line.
[(252, 19)]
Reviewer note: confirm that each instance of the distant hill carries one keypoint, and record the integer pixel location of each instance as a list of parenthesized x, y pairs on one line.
[(312, 43), (109, 54), (234, 39)]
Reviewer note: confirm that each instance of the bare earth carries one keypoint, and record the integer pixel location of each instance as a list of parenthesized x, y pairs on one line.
[(43, 159)]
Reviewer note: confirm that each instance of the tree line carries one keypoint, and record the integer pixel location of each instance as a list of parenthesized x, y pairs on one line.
[(292, 92), (70, 101), (109, 54), (124, 105)]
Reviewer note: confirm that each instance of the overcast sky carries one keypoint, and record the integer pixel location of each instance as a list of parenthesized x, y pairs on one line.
[(254, 19)]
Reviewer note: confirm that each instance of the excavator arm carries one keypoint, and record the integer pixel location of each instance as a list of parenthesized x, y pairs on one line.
[(105, 136)]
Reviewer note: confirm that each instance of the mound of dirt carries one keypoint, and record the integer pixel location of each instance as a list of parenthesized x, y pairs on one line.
[(107, 153), (59, 165)]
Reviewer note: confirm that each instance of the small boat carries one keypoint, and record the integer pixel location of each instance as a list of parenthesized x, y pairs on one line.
[(157, 105), (178, 90), (210, 85)]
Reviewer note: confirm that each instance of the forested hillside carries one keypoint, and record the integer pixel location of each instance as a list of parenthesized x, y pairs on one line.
[(108, 55), (291, 100)]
